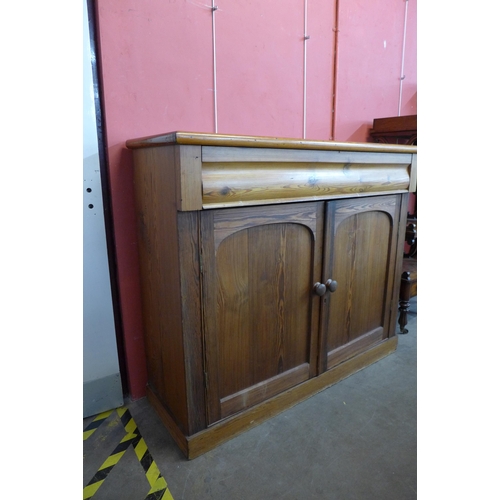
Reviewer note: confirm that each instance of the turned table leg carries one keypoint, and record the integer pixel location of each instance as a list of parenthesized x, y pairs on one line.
[(404, 301)]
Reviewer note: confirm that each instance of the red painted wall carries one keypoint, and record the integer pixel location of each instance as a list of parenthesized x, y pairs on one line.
[(370, 42), (157, 76), (260, 68)]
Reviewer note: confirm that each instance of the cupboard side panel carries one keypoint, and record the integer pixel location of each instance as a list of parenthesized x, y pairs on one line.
[(154, 169), (189, 255), (209, 317)]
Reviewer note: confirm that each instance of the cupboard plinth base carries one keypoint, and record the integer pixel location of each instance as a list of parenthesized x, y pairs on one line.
[(215, 435)]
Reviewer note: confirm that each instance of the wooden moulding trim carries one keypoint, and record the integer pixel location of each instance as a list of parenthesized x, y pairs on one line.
[(213, 154), (354, 347), (221, 432), (203, 139), (188, 177), (168, 421), (229, 222), (207, 206), (413, 174), (249, 397)]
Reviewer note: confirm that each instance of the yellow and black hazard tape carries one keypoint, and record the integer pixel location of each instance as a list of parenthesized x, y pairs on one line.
[(158, 485), (91, 428)]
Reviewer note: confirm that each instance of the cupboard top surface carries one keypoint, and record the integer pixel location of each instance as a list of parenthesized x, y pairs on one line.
[(205, 139), (218, 171)]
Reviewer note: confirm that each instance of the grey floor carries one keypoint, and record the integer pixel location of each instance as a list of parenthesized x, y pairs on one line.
[(355, 440)]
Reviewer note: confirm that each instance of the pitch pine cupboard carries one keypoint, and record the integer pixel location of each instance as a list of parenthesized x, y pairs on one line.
[(270, 270)]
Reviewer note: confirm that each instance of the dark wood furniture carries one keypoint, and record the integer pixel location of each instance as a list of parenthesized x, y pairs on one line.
[(407, 291), (395, 130), (270, 270), (403, 130)]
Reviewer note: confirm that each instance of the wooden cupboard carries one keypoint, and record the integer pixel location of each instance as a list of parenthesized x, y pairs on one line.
[(269, 270)]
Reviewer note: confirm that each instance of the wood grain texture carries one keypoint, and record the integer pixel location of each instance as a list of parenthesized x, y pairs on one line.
[(168, 420), (249, 397), (413, 175), (233, 220), (361, 274), (398, 262), (209, 309), (263, 317), (394, 124), (215, 171), (234, 328), (228, 428), (196, 138), (262, 325), (213, 154), (189, 262), (188, 177), (160, 278), (354, 347), (230, 184), (360, 249)]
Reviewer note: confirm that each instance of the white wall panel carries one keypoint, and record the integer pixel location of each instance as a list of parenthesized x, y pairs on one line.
[(101, 374)]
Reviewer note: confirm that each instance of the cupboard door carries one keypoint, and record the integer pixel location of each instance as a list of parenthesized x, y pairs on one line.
[(360, 250), (260, 316)]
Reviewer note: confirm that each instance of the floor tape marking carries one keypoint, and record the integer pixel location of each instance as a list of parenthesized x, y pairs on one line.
[(109, 463), (159, 489), (141, 449), (160, 494), (98, 420), (112, 460), (158, 485), (153, 474), (89, 491)]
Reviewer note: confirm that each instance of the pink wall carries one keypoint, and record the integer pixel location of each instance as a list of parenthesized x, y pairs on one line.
[(157, 76), (260, 68), (370, 41)]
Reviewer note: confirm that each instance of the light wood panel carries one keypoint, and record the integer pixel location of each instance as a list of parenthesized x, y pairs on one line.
[(188, 177), (413, 177), (223, 175), (217, 154), (232, 220), (204, 139), (230, 184)]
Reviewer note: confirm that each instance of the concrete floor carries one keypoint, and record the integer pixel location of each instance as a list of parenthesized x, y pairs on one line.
[(355, 440)]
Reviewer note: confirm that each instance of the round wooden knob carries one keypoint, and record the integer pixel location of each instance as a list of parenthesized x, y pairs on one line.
[(319, 289), (331, 285)]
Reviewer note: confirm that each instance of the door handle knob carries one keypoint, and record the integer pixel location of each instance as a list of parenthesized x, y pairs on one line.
[(319, 289), (331, 285)]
